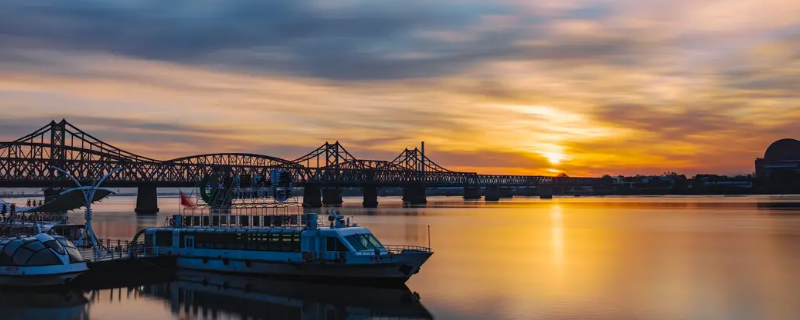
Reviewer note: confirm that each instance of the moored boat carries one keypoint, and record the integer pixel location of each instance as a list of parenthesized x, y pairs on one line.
[(295, 246), (39, 260)]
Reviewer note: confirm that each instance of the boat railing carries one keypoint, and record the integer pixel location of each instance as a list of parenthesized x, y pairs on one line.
[(125, 251), (394, 249), (401, 248)]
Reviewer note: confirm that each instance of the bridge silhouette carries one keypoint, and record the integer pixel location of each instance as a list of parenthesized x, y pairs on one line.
[(27, 161)]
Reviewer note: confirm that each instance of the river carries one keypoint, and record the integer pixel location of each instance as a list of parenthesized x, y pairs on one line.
[(568, 258)]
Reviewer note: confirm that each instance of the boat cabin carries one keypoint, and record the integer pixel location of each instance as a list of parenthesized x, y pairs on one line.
[(352, 239), (287, 238)]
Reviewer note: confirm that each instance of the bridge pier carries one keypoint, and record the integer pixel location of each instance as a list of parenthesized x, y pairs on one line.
[(545, 193), (472, 193), (506, 193), (370, 197), (147, 200), (332, 197), (530, 192), (414, 195), (492, 193), (311, 196)]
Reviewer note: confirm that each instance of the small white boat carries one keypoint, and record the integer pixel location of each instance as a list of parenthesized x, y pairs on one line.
[(39, 260), (294, 246)]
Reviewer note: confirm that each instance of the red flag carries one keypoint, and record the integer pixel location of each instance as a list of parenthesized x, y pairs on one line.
[(185, 201)]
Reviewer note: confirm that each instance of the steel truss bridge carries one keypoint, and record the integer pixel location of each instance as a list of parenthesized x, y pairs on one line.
[(27, 161)]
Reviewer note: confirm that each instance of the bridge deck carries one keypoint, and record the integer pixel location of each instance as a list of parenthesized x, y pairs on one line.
[(28, 161)]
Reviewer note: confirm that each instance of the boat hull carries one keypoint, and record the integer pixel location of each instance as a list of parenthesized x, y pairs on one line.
[(41, 276), (387, 273)]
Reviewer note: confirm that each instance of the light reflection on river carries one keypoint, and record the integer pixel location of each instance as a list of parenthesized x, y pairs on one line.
[(566, 258)]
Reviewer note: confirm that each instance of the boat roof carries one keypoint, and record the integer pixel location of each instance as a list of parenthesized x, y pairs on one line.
[(344, 231), (70, 200)]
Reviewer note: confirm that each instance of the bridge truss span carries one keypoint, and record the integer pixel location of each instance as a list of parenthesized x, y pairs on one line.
[(27, 161)]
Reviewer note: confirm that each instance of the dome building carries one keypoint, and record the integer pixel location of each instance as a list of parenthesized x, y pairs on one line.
[(779, 169)]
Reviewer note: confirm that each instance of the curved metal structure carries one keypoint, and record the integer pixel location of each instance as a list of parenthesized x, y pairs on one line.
[(27, 161)]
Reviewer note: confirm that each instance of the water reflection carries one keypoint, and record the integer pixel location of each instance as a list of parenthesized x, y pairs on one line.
[(558, 235), (213, 296), (712, 258), (56, 305)]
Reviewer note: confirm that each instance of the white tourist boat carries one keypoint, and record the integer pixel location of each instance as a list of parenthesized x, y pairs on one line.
[(295, 246), (39, 260)]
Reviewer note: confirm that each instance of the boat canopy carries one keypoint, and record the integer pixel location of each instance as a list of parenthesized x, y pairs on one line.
[(70, 200)]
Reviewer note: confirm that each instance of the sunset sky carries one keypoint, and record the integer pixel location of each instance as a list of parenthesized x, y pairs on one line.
[(504, 86)]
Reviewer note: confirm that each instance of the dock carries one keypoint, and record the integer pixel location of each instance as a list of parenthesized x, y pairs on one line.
[(125, 264)]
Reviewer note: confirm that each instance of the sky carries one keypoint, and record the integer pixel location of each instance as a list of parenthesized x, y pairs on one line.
[(582, 87)]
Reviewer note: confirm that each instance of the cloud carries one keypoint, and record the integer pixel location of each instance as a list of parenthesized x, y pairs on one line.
[(605, 86), (361, 42), (666, 124)]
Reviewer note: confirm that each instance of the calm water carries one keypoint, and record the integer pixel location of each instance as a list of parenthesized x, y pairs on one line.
[(568, 258)]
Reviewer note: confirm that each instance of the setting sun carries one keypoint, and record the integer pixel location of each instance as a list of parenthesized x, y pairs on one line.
[(554, 158)]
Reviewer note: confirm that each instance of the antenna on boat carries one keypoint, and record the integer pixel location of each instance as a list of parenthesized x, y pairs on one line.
[(429, 236), (336, 219)]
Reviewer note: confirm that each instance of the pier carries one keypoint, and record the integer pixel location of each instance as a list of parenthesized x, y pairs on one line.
[(125, 263)]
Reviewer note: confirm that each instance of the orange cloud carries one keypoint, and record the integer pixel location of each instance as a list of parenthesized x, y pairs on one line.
[(582, 87)]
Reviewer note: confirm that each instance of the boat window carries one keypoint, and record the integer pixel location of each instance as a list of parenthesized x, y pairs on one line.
[(239, 241), (264, 244), (148, 240), (296, 241), (219, 239), (286, 241), (74, 255), (65, 243), (163, 238), (333, 244), (364, 242), (34, 246), (12, 246), (52, 244), (355, 242), (374, 241), (5, 259), (44, 258), (21, 257), (275, 241)]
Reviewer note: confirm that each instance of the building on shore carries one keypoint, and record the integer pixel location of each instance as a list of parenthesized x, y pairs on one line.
[(779, 170)]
